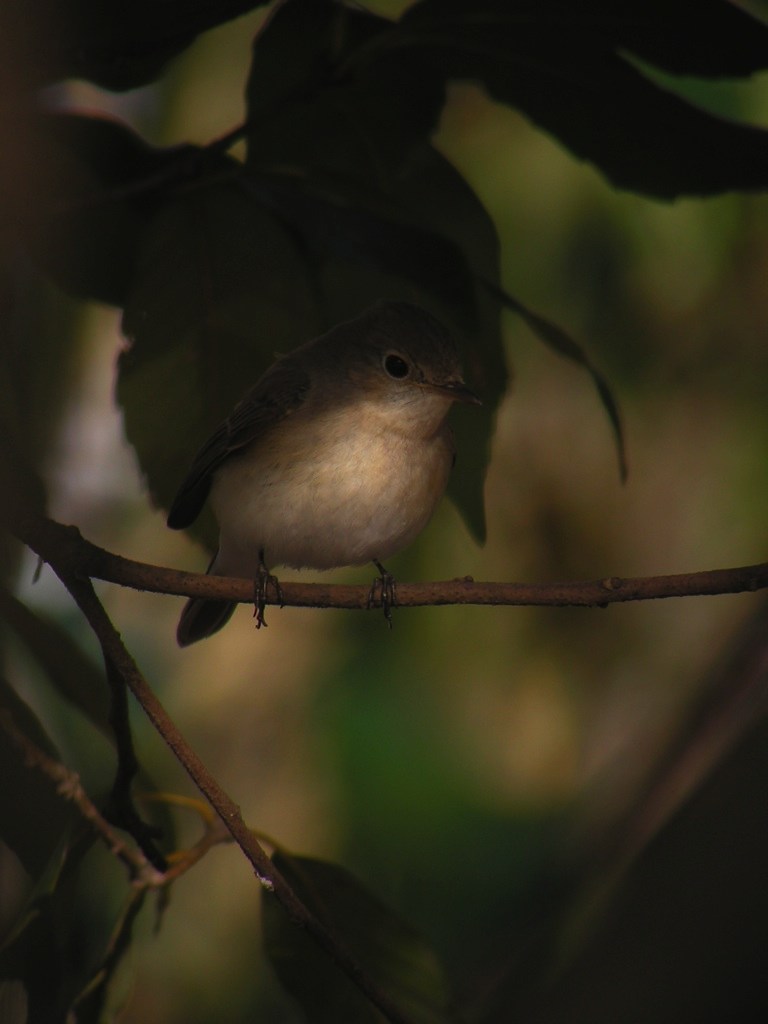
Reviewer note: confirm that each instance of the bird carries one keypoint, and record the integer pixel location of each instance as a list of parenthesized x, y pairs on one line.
[(337, 456)]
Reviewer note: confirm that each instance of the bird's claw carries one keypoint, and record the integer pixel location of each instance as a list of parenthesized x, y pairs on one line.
[(387, 598), (264, 579)]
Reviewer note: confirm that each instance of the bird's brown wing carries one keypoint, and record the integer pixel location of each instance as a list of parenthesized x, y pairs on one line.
[(277, 394)]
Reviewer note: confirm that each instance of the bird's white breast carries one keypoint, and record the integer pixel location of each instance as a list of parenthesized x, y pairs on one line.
[(330, 489)]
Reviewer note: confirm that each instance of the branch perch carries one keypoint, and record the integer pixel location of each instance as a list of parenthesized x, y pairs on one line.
[(65, 546)]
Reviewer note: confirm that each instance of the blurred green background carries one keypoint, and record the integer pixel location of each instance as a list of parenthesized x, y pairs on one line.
[(464, 762)]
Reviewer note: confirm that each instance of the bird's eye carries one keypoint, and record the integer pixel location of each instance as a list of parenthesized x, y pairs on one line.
[(396, 366)]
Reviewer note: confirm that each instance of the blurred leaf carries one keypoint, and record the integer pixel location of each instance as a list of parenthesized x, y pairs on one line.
[(696, 37), (338, 225), (710, 38), (563, 67), (48, 954), (298, 47), (74, 675), (94, 187), (220, 287), (81, 683), (391, 952), (312, 104), (117, 46), (562, 343), (33, 815)]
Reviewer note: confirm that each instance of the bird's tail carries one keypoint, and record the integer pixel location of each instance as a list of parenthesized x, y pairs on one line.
[(202, 617)]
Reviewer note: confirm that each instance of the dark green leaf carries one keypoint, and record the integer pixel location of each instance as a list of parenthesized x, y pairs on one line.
[(694, 37), (297, 50), (33, 815), (393, 955), (334, 223), (118, 46), (46, 956), (688, 37), (74, 675), (75, 678), (96, 185), (562, 343), (563, 66), (322, 98)]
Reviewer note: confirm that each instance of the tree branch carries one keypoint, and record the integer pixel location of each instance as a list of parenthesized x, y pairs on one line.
[(64, 546)]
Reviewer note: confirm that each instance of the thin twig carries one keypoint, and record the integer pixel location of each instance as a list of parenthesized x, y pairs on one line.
[(68, 785), (121, 809), (143, 874)]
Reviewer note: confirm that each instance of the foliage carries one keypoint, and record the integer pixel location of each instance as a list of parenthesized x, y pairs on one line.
[(329, 195)]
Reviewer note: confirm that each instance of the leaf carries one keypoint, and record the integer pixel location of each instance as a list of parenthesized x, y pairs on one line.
[(117, 46), (563, 67), (95, 185), (562, 343), (298, 47), (334, 222), (75, 678), (688, 37), (695, 37), (33, 815), (393, 955), (325, 95), (69, 670), (220, 287), (48, 957)]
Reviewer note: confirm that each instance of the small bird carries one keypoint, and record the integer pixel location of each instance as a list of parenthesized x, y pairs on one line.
[(337, 456)]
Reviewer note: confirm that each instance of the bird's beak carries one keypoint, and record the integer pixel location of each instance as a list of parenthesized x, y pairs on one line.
[(458, 391)]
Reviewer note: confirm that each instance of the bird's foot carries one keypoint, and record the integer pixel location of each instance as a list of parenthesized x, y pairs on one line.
[(264, 579), (383, 592)]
